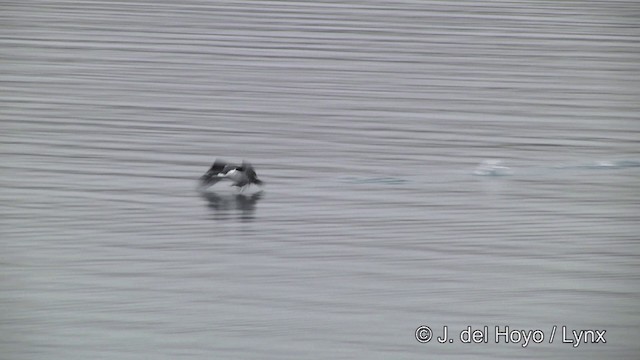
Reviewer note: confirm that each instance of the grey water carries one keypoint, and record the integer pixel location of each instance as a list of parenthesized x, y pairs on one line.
[(436, 163)]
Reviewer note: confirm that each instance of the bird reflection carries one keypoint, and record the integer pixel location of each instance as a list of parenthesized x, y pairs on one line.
[(229, 204)]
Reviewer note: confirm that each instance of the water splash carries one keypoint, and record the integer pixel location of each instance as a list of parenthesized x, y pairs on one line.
[(602, 165), (492, 167)]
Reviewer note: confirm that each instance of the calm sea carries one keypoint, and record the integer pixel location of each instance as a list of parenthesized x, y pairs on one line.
[(437, 163)]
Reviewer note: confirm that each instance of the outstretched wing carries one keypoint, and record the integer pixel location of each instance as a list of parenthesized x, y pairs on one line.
[(211, 176), (217, 167), (251, 173)]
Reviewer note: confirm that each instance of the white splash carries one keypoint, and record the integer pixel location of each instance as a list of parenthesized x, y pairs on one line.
[(492, 167)]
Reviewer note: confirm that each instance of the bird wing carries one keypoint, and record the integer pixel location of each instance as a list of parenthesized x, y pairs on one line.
[(251, 173), (228, 168), (217, 167), (248, 169), (211, 176)]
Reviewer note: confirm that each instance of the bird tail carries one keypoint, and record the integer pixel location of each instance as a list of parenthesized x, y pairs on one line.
[(258, 182)]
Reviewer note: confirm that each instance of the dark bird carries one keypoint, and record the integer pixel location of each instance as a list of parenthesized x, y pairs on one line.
[(241, 175)]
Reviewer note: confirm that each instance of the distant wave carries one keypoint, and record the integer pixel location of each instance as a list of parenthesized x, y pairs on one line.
[(374, 180), (603, 165), (497, 167)]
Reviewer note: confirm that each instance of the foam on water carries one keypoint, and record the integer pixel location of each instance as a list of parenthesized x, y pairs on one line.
[(492, 167), (602, 165)]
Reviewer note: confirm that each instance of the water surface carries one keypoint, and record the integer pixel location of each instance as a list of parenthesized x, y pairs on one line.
[(367, 121)]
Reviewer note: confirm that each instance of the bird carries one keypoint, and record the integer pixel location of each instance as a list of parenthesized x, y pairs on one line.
[(241, 175)]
